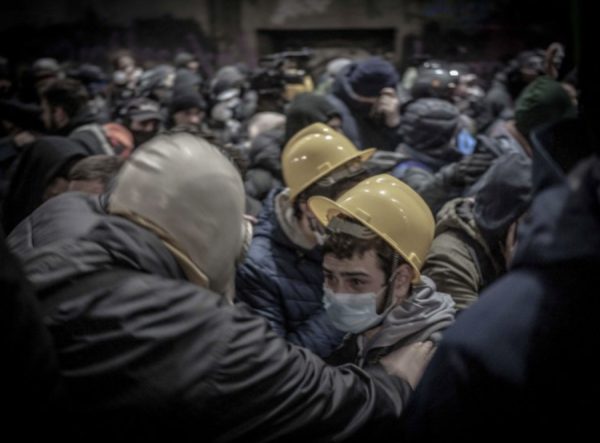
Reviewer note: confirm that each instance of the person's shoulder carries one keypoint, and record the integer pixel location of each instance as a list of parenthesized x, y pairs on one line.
[(505, 310)]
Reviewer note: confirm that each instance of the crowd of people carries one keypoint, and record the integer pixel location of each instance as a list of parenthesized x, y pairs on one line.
[(267, 256)]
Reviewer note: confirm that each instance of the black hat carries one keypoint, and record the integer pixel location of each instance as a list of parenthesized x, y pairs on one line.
[(504, 196), (188, 100), (141, 109), (368, 77)]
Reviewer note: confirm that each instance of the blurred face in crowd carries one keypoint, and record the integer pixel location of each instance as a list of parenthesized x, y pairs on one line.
[(193, 66), (126, 64), (188, 117), (53, 117), (44, 83), (143, 130)]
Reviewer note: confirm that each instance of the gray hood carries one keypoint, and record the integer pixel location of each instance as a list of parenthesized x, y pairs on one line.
[(421, 314)]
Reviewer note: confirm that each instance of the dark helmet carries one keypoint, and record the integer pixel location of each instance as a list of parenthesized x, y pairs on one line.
[(438, 82)]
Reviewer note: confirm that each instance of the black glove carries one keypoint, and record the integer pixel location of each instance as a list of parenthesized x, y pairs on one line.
[(468, 170)]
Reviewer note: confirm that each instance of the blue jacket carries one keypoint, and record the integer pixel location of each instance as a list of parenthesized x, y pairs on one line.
[(284, 284), (522, 359)]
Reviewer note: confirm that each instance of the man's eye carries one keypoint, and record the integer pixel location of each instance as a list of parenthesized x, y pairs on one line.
[(357, 282)]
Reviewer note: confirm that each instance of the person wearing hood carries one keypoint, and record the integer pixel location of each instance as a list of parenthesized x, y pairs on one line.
[(474, 237), (305, 109), (281, 279), (364, 94), (66, 112), (148, 342), (40, 174), (432, 161), (515, 361), (521, 361), (379, 234)]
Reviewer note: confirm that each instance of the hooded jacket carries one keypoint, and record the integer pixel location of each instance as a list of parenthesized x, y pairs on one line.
[(460, 261), (153, 355), (283, 281), (147, 354), (39, 164), (519, 359), (422, 316), (358, 125)]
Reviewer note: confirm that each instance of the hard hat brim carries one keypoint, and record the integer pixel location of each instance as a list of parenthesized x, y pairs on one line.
[(362, 155)]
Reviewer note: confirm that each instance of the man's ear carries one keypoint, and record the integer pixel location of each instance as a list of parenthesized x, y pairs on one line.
[(402, 283)]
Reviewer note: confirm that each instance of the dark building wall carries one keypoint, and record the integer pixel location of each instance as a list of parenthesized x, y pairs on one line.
[(226, 31)]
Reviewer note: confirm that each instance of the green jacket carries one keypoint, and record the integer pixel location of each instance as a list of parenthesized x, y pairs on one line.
[(460, 261)]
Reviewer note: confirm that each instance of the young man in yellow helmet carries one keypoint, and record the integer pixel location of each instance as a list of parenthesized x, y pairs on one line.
[(379, 234), (281, 279)]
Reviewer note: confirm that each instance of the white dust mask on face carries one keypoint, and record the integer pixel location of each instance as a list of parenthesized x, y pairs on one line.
[(354, 313)]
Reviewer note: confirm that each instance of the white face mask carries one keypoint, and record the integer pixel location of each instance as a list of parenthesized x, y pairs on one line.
[(354, 313)]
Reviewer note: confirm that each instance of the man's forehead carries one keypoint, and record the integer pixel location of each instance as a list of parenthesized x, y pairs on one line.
[(365, 264)]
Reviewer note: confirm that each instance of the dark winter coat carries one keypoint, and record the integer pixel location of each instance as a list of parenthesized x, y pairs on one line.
[(38, 165), (521, 361), (149, 355), (33, 387), (358, 125), (284, 283)]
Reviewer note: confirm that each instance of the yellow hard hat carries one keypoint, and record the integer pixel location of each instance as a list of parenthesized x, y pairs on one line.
[(315, 152), (389, 208)]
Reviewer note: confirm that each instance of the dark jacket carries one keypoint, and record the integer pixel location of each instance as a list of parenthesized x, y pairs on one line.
[(264, 173), (460, 261), (284, 283), (149, 355), (358, 125), (40, 163), (85, 130), (32, 384), (521, 361)]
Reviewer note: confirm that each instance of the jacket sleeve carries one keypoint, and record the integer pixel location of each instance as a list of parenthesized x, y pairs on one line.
[(451, 267), (264, 295), (155, 355), (283, 391)]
